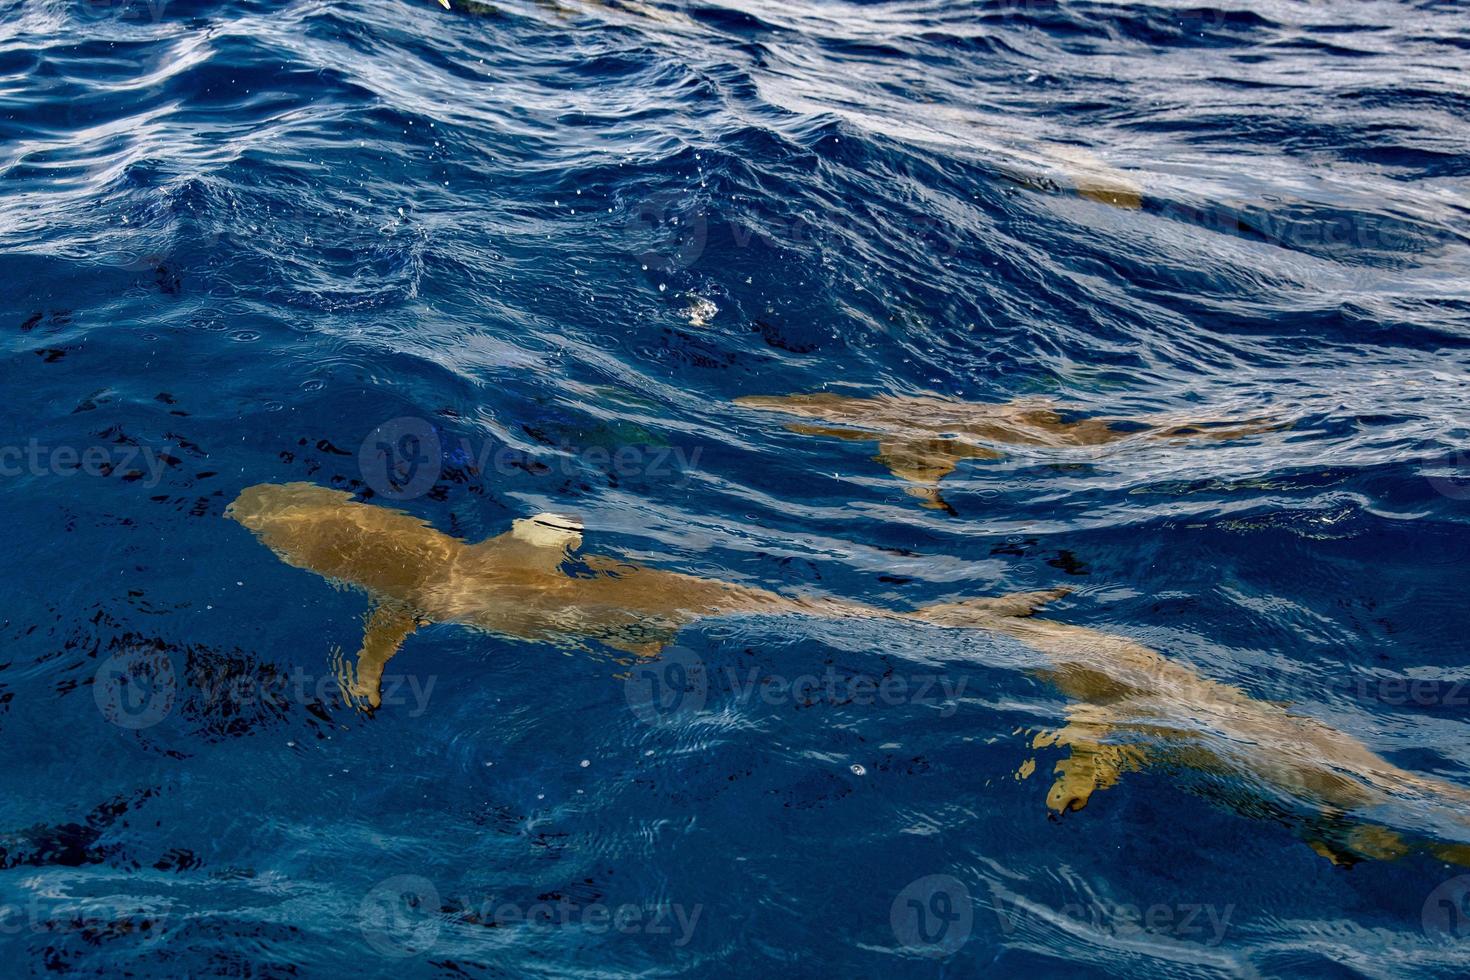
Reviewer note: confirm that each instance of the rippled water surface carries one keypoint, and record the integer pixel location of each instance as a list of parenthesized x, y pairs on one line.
[(538, 250)]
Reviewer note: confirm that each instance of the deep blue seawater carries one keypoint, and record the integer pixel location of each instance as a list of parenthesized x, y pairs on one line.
[(241, 240)]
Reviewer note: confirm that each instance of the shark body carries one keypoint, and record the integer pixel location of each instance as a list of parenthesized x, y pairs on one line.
[(1131, 708), (529, 583), (922, 439)]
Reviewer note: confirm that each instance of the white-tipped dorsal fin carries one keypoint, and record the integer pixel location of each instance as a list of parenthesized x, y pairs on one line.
[(554, 531)]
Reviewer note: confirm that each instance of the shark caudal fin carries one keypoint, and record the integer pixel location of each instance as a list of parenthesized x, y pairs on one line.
[(984, 612)]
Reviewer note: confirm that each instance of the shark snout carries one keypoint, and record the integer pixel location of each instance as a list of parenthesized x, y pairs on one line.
[(258, 505), (249, 507)]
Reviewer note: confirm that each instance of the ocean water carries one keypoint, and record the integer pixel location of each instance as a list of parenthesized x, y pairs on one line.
[(522, 257)]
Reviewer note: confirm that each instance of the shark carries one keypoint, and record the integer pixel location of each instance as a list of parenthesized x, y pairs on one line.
[(1130, 708), (923, 438), (531, 582)]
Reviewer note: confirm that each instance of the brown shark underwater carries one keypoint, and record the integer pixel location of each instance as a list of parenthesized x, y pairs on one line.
[(516, 585), (1133, 708), (922, 438)]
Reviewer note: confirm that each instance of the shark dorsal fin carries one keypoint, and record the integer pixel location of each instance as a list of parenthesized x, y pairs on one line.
[(547, 530), (543, 541)]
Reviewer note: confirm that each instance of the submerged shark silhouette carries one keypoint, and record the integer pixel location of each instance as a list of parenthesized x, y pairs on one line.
[(922, 438), (528, 583), (1133, 706)]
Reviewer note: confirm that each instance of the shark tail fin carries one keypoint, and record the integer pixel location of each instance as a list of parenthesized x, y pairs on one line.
[(984, 612)]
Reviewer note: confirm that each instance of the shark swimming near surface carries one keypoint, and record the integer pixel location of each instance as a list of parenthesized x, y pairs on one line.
[(922, 438), (1131, 708), (529, 583)]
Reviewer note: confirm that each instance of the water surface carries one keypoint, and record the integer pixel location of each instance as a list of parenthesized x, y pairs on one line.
[(240, 240)]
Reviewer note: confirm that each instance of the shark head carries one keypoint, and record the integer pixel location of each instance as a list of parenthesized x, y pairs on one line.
[(387, 552), (266, 505)]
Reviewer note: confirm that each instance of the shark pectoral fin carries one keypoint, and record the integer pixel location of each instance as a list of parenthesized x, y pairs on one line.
[(1346, 844), (1367, 842), (641, 641), (1092, 765), (917, 460), (925, 461), (388, 625), (1377, 842), (931, 499), (643, 651)]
